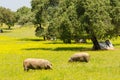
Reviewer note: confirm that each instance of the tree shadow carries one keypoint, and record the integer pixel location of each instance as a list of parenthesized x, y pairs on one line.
[(5, 31), (37, 49), (30, 39), (62, 49), (116, 44), (7, 28), (72, 49), (55, 42)]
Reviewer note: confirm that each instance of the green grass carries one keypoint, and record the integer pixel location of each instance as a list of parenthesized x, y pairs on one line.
[(20, 43)]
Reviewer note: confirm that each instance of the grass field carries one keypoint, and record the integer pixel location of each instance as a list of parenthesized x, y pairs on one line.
[(20, 43)]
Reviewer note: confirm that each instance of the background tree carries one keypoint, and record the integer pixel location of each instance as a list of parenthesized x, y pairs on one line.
[(7, 16), (65, 32), (115, 15), (39, 8), (79, 18), (95, 19), (24, 15), (62, 13), (51, 31)]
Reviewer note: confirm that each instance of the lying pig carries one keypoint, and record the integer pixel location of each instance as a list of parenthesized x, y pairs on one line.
[(33, 63)]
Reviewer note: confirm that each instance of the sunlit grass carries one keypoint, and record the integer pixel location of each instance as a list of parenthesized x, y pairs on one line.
[(21, 43)]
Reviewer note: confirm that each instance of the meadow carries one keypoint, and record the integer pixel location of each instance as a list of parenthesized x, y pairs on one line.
[(21, 43)]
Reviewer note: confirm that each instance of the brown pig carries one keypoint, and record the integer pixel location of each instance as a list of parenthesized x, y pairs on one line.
[(80, 57), (33, 63)]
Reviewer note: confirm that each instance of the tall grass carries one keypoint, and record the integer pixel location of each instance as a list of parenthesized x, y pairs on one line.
[(20, 43)]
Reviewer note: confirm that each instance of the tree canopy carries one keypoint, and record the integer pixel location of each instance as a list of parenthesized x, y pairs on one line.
[(7, 16), (24, 15), (74, 19)]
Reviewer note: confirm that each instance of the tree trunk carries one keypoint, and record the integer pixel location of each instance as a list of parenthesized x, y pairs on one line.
[(44, 38), (96, 45), (1, 24), (40, 25), (9, 27), (94, 40)]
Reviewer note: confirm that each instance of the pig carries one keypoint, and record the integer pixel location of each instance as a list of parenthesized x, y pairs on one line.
[(33, 63), (79, 57)]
